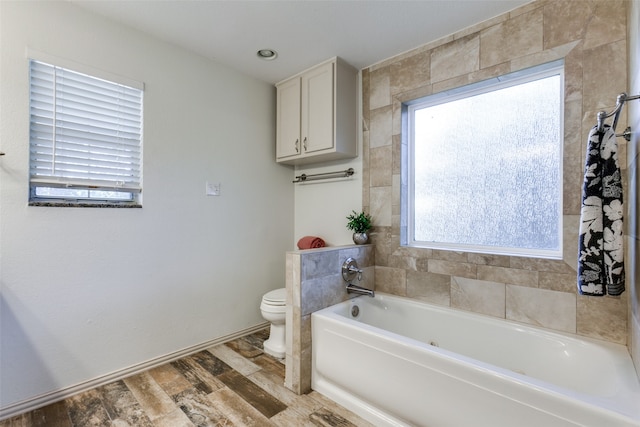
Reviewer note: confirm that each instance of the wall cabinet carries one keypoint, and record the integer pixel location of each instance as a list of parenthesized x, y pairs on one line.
[(316, 114)]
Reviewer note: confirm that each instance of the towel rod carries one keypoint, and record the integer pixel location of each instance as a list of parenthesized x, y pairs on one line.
[(602, 115), (626, 134), (327, 175)]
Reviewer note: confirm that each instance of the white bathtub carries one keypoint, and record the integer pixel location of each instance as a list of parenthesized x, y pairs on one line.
[(404, 363)]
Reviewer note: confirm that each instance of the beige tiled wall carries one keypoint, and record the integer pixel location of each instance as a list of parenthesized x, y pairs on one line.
[(314, 281), (591, 38)]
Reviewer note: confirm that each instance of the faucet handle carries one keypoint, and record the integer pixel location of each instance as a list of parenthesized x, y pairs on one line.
[(356, 270), (350, 270)]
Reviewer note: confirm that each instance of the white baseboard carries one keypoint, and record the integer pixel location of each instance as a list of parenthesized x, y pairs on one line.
[(63, 393)]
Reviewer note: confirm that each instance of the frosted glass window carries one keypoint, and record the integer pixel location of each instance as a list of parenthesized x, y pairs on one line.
[(486, 167)]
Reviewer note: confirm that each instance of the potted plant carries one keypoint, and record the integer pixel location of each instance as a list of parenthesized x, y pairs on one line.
[(359, 223)]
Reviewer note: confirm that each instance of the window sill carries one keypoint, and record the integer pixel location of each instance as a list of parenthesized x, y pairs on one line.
[(86, 205)]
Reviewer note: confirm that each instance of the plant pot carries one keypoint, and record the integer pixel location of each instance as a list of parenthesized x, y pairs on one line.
[(360, 238)]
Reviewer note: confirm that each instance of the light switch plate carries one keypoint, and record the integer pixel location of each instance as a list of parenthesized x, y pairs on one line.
[(213, 188)]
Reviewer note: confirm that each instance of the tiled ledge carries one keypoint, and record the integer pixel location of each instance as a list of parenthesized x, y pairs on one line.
[(314, 281)]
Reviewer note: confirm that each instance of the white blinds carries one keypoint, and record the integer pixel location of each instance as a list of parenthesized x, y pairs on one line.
[(85, 132)]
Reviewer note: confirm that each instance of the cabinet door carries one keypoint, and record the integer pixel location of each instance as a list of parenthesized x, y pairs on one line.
[(288, 141), (317, 109)]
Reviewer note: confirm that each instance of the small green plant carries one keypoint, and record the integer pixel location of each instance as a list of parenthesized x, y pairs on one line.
[(359, 222)]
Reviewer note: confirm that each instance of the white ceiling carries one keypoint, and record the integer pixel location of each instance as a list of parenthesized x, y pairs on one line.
[(303, 32)]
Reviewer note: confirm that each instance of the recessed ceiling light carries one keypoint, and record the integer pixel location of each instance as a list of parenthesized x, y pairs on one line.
[(267, 54)]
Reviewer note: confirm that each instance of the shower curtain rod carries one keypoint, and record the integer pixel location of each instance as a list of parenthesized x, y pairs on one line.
[(327, 175), (602, 115)]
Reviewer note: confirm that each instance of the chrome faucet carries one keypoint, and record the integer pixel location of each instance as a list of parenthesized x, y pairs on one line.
[(355, 289), (349, 271)]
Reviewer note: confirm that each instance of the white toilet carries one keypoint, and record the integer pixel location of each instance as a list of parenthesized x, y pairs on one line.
[(273, 308)]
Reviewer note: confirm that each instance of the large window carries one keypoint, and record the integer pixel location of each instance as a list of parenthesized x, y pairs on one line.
[(485, 166), (85, 138)]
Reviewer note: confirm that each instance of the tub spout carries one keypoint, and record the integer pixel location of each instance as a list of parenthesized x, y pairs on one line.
[(355, 289)]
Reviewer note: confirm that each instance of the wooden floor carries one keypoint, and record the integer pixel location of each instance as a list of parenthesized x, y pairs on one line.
[(233, 384)]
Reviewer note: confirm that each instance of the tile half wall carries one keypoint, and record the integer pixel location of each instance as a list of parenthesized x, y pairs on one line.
[(314, 281)]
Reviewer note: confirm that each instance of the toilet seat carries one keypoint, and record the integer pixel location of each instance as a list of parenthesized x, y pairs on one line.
[(275, 298), (274, 310)]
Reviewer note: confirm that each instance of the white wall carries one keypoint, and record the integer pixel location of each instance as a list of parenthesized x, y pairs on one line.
[(632, 260), (86, 292), (321, 207)]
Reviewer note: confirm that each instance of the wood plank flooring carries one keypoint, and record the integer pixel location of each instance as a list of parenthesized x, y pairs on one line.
[(232, 384)]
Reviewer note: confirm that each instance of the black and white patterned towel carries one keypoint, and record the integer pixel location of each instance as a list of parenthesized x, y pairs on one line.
[(601, 256)]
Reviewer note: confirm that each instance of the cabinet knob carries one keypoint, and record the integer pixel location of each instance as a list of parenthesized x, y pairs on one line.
[(304, 143), (296, 145)]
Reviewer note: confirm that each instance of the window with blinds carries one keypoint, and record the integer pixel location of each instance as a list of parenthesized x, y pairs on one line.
[(85, 138)]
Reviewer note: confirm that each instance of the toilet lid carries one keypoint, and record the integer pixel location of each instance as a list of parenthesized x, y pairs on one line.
[(275, 297)]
